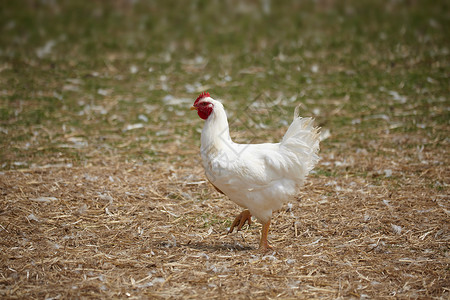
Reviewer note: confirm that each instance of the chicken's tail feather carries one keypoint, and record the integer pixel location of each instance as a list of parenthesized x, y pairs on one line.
[(297, 111), (302, 139)]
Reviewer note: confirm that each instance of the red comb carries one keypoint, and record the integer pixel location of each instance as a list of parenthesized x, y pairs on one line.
[(202, 95)]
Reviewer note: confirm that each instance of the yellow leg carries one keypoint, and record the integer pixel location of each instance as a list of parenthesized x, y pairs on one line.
[(240, 220), (264, 244)]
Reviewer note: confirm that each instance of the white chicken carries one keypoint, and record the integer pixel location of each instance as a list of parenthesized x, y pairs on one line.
[(257, 177)]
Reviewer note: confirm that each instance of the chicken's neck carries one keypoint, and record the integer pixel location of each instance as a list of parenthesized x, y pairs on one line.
[(216, 133)]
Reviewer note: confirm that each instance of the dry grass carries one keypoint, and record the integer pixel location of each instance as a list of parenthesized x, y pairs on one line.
[(124, 230)]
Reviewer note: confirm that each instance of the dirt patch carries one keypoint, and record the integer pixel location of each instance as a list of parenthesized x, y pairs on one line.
[(155, 231)]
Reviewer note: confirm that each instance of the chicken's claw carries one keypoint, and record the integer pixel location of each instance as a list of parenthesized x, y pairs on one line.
[(240, 220), (265, 247)]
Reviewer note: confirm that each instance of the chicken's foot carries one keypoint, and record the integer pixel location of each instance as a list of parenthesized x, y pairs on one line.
[(240, 220), (264, 244)]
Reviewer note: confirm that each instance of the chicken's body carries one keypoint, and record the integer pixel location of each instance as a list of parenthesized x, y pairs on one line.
[(258, 177)]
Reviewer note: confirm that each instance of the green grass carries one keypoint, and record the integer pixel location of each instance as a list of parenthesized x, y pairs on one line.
[(63, 64)]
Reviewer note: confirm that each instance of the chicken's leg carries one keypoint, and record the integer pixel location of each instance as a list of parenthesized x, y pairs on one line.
[(264, 244), (240, 220)]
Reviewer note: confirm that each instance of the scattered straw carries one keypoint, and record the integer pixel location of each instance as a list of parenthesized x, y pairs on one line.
[(137, 230)]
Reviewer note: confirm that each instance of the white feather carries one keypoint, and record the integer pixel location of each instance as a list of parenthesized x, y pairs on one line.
[(259, 177)]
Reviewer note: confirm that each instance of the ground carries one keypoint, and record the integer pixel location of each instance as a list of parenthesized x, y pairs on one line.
[(102, 194)]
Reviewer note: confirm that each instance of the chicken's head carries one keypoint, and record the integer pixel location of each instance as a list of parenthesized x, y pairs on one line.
[(204, 106)]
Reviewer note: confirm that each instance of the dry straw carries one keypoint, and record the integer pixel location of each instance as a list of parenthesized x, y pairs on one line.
[(128, 230)]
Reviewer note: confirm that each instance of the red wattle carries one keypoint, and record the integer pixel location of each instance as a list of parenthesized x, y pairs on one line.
[(204, 112)]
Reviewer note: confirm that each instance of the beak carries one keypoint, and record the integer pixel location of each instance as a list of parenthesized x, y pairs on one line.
[(193, 108)]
